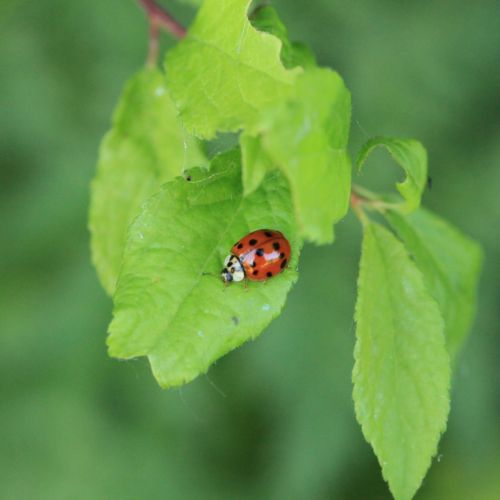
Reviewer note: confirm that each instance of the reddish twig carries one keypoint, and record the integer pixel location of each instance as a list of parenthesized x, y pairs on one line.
[(159, 18), (163, 18)]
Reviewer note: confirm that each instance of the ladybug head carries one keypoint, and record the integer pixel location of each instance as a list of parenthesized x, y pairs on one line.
[(233, 270)]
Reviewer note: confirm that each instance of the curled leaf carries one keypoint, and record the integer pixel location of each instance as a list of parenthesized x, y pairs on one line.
[(411, 156)]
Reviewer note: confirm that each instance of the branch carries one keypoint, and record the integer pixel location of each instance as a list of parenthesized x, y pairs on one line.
[(159, 18), (163, 18)]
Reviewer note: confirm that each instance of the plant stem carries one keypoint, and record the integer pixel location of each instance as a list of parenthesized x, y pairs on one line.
[(363, 192), (164, 19), (159, 18), (154, 41), (371, 200), (357, 207)]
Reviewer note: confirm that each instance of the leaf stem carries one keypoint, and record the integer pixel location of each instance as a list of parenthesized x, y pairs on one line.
[(357, 207), (159, 18), (363, 192), (371, 200), (154, 41)]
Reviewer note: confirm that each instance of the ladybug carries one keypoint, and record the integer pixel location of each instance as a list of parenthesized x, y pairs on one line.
[(258, 256)]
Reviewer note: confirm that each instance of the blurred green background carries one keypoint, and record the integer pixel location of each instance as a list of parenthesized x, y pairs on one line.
[(273, 420)]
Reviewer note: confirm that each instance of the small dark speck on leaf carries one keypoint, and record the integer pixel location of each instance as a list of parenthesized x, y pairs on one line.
[(188, 178), (235, 320)]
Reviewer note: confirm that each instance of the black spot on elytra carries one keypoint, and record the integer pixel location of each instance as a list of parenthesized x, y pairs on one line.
[(283, 264), (260, 252), (240, 245), (282, 255), (268, 233), (276, 245), (255, 272), (269, 274), (252, 264), (252, 242)]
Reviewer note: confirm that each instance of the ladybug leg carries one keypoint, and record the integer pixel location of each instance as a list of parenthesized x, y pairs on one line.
[(245, 284)]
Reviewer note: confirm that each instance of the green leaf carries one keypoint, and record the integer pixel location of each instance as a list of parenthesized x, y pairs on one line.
[(450, 262), (193, 3), (265, 18), (145, 147), (256, 163), (165, 305), (224, 72), (411, 156), (305, 135), (402, 370)]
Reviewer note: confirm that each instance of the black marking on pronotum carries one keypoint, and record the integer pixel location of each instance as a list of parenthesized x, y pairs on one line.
[(276, 245), (283, 264), (252, 242), (260, 252), (269, 274), (268, 234)]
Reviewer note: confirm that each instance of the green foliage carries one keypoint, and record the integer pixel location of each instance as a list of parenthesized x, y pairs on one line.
[(265, 18), (146, 147), (166, 307), (412, 158), (402, 370), (79, 424), (450, 263), (195, 3), (165, 236), (305, 134), (221, 79)]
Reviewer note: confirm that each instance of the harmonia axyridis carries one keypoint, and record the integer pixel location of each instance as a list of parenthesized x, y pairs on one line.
[(258, 256)]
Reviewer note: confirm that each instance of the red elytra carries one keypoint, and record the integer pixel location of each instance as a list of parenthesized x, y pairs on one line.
[(258, 256)]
